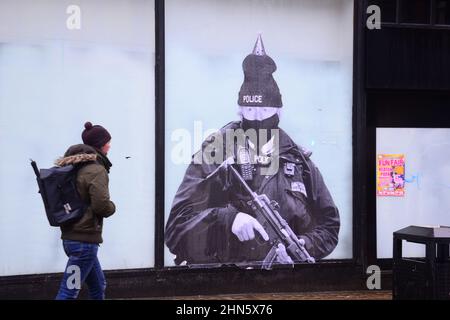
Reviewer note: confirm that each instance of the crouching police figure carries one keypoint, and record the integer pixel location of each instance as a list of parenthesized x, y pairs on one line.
[(212, 220)]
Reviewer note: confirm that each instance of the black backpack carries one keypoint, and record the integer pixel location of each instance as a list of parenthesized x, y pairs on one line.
[(58, 188)]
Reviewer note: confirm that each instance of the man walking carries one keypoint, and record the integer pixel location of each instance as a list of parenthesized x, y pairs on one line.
[(81, 239)]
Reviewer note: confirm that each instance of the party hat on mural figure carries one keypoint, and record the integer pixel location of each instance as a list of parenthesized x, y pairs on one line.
[(259, 88), (258, 49)]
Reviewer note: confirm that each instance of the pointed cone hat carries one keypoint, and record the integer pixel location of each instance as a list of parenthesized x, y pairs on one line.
[(259, 88), (258, 49)]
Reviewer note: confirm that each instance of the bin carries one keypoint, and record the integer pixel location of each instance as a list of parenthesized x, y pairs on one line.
[(422, 278)]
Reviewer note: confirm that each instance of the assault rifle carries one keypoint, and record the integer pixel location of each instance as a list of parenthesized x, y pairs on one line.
[(266, 212)]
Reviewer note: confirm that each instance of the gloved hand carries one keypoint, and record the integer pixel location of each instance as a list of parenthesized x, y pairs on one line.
[(282, 255), (244, 225)]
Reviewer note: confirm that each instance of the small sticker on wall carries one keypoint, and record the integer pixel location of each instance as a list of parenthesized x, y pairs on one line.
[(391, 175)]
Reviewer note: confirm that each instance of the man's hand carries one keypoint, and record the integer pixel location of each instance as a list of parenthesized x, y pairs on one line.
[(282, 256), (244, 225)]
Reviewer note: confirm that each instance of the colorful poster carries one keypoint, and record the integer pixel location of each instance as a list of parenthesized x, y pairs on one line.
[(391, 175)]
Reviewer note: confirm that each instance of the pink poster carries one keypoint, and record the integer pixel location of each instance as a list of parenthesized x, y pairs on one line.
[(391, 175)]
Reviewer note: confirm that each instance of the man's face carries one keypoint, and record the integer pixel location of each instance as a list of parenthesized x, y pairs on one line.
[(258, 113), (106, 147)]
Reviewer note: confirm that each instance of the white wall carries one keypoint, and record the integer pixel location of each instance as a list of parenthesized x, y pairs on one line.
[(427, 188), (311, 42), (52, 80)]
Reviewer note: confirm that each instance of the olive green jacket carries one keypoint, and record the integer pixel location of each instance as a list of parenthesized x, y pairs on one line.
[(92, 184)]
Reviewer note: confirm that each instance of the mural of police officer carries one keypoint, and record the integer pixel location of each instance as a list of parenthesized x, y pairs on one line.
[(211, 220)]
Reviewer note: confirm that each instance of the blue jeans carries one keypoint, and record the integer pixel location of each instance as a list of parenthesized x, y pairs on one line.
[(83, 267)]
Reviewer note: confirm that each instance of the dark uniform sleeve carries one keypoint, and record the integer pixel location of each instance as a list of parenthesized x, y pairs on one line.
[(201, 217), (322, 238)]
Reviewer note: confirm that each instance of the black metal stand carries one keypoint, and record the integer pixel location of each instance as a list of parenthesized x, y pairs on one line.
[(422, 278)]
